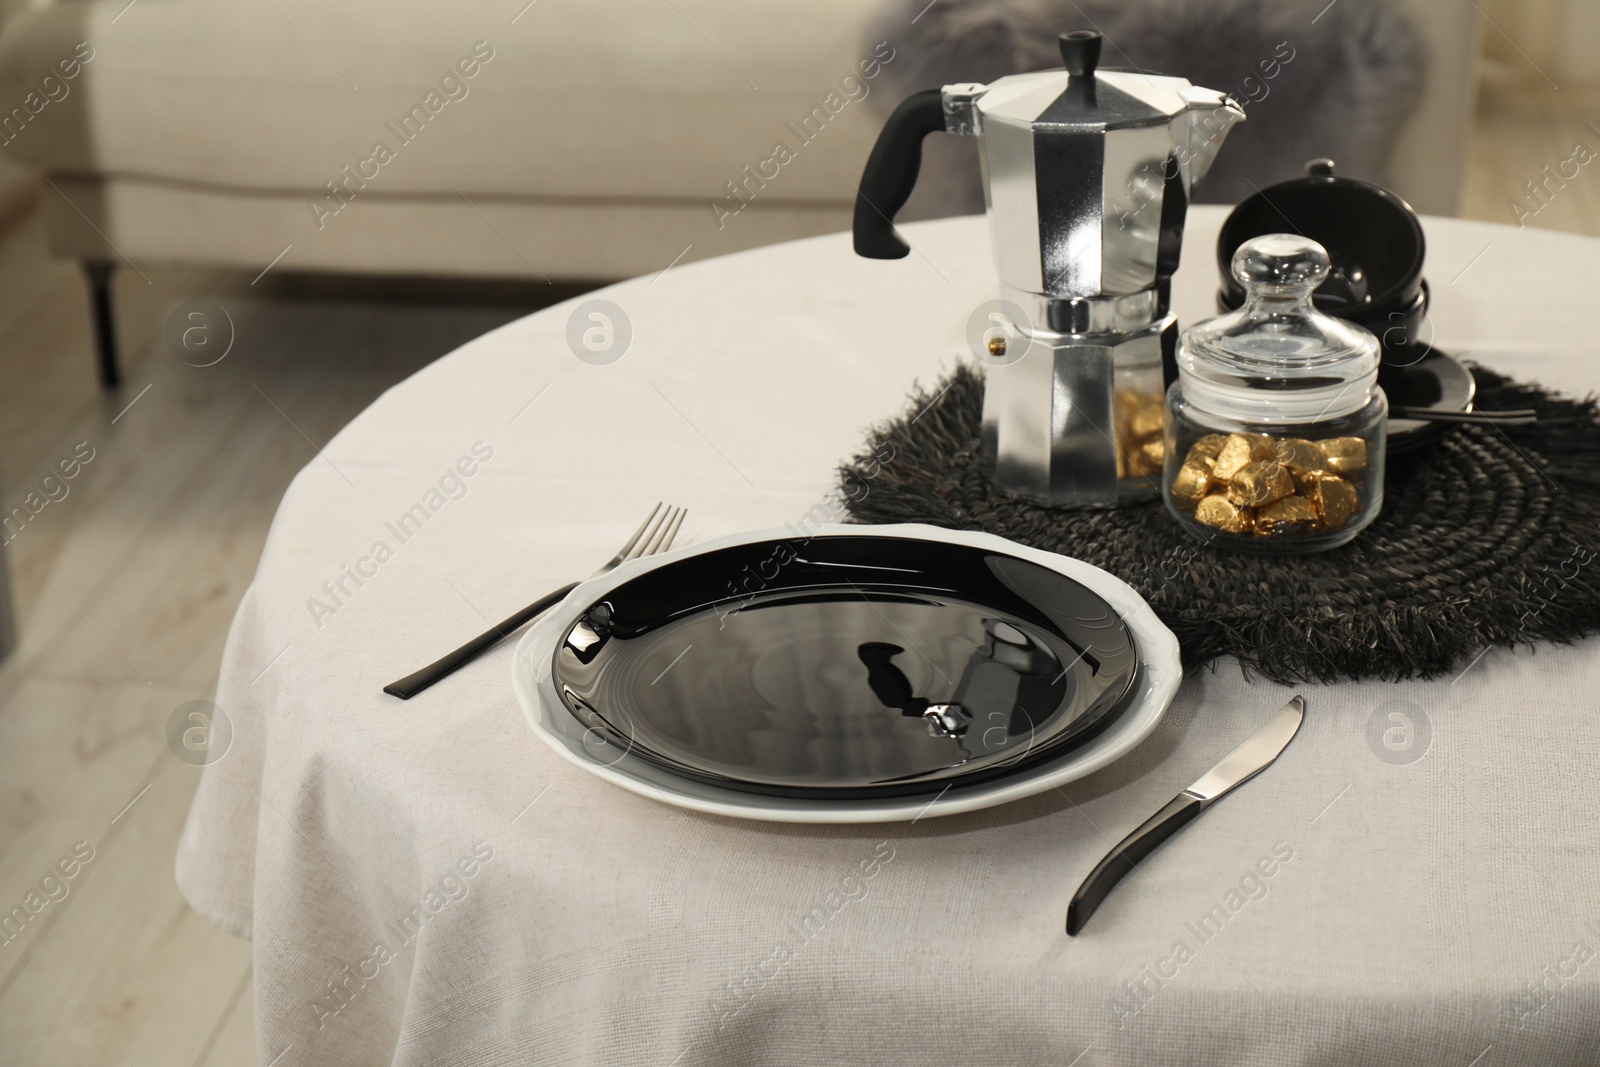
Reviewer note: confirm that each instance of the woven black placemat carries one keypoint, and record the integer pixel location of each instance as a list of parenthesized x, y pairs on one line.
[(1485, 539)]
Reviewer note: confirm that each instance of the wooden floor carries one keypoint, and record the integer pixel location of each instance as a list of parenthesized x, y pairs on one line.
[(124, 591), (125, 588)]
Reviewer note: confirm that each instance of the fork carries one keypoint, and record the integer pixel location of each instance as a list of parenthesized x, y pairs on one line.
[(654, 535)]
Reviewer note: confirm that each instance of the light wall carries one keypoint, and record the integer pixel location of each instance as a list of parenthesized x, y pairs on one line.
[(1561, 38)]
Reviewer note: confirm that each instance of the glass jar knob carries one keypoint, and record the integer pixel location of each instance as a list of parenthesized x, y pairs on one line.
[(1280, 266)]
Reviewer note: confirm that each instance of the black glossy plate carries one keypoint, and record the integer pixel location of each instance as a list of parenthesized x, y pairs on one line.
[(1437, 380), (847, 667)]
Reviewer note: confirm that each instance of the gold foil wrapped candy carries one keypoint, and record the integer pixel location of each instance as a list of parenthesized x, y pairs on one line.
[(1148, 418), (1217, 510), (1259, 483), (1194, 479), (1192, 483), (1237, 451), (1292, 514), (1345, 455), (1300, 456), (1249, 483), (1336, 500), (1141, 418), (1203, 453)]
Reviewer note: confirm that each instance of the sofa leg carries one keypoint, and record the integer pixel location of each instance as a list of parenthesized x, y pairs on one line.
[(105, 323), (8, 621)]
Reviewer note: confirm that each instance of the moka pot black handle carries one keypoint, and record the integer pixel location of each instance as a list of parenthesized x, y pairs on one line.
[(891, 174)]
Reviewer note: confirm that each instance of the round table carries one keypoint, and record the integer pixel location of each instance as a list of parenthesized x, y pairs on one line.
[(1413, 881)]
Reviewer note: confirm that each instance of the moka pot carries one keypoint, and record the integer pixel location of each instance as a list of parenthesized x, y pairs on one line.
[(1087, 178)]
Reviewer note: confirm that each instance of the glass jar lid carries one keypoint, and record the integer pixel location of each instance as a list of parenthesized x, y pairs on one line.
[(1277, 359)]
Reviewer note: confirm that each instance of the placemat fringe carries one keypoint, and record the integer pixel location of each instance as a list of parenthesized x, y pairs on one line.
[(1488, 537)]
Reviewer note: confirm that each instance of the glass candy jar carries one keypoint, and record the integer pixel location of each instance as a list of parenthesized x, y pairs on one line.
[(1275, 426)]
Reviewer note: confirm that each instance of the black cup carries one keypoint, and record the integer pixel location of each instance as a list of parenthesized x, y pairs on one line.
[(1375, 245)]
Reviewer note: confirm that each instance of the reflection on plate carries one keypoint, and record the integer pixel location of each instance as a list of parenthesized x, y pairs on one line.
[(857, 674)]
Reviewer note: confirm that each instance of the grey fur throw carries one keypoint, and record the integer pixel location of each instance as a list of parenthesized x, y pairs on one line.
[(1338, 83)]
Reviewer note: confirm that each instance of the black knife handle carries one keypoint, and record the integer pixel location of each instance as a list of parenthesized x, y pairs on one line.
[(1120, 860)]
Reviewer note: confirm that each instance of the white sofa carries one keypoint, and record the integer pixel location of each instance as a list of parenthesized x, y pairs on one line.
[(592, 140)]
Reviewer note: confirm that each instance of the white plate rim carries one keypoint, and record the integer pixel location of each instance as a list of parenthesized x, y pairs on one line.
[(1160, 674)]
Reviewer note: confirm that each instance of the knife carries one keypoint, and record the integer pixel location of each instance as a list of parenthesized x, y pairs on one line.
[(1236, 768)]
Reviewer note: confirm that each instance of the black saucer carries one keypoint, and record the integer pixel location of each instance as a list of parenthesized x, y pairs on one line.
[(1436, 380)]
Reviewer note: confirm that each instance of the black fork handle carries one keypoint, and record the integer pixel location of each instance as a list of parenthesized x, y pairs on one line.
[(446, 665), (891, 174)]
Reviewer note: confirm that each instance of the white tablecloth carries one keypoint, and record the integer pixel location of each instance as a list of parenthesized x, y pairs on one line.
[(425, 882)]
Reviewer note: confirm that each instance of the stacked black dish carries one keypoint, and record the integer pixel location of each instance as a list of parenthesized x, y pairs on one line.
[(1375, 243)]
